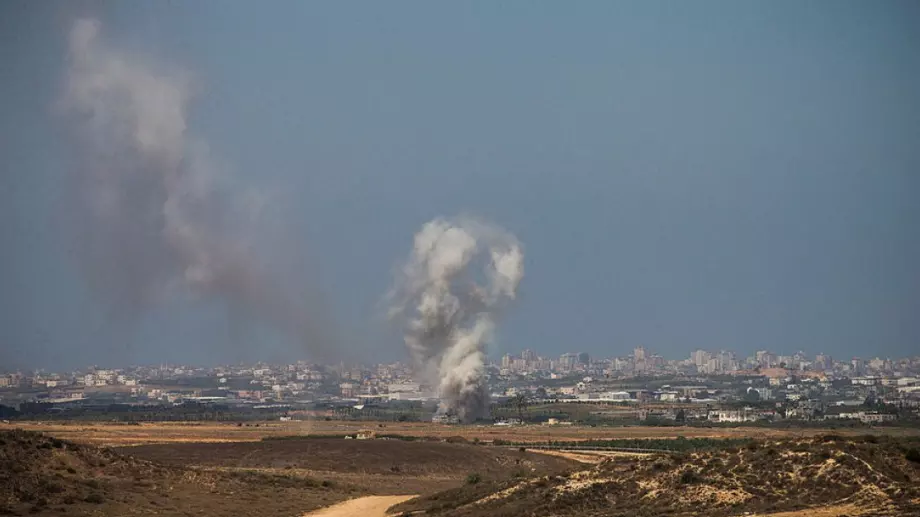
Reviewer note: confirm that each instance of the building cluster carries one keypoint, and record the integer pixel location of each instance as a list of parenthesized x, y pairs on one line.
[(642, 361), (717, 386)]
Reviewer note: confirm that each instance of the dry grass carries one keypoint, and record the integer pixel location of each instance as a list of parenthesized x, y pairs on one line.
[(43, 475), (825, 476), (113, 434)]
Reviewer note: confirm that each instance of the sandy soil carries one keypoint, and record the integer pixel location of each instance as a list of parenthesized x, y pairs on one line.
[(842, 510), (586, 456), (370, 506)]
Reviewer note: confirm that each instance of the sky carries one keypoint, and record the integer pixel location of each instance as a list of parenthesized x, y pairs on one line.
[(681, 175)]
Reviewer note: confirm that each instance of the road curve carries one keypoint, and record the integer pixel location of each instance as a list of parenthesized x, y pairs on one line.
[(370, 506)]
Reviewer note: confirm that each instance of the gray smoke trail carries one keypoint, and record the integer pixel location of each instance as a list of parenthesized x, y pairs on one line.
[(159, 221), (458, 277)]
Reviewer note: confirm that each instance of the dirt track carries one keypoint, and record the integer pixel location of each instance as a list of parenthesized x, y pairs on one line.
[(370, 506)]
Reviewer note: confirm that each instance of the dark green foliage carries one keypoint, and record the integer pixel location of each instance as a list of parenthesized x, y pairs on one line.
[(95, 498), (689, 476), (473, 479), (913, 455), (679, 444)]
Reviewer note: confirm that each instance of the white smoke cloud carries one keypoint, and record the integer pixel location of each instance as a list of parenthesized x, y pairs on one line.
[(459, 276), (156, 214)]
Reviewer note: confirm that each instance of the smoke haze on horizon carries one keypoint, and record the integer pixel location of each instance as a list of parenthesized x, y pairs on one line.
[(155, 220)]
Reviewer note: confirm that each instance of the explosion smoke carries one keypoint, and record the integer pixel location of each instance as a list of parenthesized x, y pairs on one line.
[(155, 220), (458, 277)]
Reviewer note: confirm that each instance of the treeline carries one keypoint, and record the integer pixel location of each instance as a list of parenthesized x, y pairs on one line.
[(679, 444)]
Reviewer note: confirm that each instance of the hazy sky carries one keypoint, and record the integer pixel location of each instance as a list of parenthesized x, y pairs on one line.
[(738, 175)]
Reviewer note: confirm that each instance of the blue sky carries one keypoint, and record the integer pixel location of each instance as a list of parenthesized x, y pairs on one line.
[(710, 174)]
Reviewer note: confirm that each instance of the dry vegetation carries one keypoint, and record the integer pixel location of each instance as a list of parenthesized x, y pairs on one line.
[(383, 466), (871, 475), (40, 475), (215, 469), (116, 434)]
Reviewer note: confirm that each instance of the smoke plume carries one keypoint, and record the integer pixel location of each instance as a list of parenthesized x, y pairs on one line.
[(459, 276), (155, 217)]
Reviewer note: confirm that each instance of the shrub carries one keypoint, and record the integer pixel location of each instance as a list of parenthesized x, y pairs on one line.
[(688, 477), (913, 455), (94, 498), (473, 479)]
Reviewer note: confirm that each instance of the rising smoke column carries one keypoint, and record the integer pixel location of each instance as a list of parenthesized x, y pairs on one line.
[(154, 217), (459, 276)]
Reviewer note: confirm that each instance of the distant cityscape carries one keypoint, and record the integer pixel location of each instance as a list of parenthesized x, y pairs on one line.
[(715, 386)]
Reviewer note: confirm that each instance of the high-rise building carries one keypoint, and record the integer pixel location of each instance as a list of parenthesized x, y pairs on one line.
[(700, 358), (858, 365), (765, 359), (823, 362), (567, 361), (639, 354), (506, 361), (529, 355), (584, 358), (727, 362)]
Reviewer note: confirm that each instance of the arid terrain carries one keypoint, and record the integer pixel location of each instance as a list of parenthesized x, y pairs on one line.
[(829, 475), (119, 434), (295, 468)]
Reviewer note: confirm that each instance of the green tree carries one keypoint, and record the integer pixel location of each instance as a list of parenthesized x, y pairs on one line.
[(521, 401)]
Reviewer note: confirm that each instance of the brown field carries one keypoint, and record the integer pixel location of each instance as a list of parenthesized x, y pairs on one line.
[(384, 466), (213, 468), (115, 434)]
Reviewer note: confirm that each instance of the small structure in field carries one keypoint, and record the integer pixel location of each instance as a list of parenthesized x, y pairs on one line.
[(366, 434)]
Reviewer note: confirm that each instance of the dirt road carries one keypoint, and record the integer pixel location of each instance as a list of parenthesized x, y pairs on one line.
[(370, 506)]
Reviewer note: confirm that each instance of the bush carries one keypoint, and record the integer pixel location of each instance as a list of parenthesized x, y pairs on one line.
[(473, 479), (95, 498), (688, 477), (913, 455)]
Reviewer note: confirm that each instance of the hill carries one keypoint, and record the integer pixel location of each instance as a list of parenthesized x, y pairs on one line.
[(871, 475), (41, 475)]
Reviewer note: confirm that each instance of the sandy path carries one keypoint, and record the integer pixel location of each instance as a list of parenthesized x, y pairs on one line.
[(587, 456), (370, 506)]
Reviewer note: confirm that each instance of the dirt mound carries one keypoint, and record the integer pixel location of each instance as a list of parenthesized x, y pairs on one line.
[(45, 475), (875, 475)]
